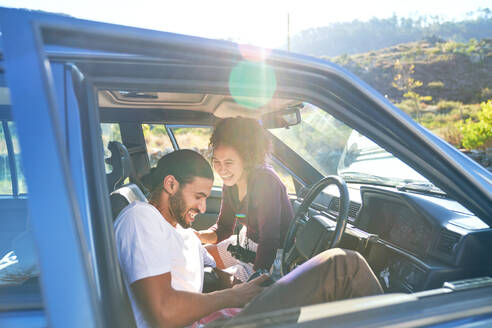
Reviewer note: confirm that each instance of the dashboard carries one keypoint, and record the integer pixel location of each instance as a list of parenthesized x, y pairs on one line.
[(398, 224), (412, 241)]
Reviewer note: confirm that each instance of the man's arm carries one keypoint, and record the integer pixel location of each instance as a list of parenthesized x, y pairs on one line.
[(164, 306)]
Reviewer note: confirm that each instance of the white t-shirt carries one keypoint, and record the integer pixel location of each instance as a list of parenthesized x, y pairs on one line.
[(148, 246)]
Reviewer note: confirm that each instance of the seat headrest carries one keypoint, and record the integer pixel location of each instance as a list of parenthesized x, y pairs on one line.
[(121, 163), (121, 197)]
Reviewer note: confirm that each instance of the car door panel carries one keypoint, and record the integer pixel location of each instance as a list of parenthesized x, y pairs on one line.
[(52, 202)]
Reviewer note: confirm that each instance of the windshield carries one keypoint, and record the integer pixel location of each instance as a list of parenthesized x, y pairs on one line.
[(332, 147)]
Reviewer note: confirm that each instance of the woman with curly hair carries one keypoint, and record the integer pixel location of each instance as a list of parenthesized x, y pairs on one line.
[(252, 196)]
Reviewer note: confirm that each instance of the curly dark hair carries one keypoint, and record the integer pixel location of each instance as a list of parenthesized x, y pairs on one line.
[(246, 136)]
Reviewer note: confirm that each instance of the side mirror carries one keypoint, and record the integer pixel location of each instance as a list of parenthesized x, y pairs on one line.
[(281, 119)]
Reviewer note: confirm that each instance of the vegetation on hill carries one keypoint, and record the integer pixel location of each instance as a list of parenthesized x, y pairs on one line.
[(439, 72), (449, 70), (357, 36), (440, 84)]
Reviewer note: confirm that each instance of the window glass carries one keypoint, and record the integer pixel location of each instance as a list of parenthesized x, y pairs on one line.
[(20, 173), (319, 138), (19, 269), (157, 141), (331, 147), (5, 178), (194, 138), (110, 132), (197, 139), (285, 177)]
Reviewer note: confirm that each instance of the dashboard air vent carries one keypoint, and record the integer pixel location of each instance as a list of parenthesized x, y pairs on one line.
[(447, 241), (354, 208), (335, 206)]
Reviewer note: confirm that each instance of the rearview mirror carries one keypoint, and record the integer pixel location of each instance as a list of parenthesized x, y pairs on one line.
[(281, 119)]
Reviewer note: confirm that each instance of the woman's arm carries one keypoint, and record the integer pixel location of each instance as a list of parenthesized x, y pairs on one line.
[(266, 201), (207, 236)]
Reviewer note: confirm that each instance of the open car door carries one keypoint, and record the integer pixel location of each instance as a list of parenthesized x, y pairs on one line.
[(56, 65)]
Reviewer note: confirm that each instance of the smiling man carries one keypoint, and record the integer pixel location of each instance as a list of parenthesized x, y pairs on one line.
[(162, 260)]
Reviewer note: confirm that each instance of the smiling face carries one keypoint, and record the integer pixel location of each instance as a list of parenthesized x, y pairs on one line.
[(190, 200), (228, 164)]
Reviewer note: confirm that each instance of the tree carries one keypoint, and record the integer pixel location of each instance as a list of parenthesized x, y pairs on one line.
[(404, 81), (478, 134)]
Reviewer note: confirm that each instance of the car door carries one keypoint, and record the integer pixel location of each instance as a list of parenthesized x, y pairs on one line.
[(94, 56)]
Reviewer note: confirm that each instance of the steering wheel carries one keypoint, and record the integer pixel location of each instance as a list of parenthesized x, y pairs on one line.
[(291, 255)]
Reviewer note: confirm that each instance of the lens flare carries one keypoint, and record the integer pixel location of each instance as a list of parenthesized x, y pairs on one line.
[(252, 53), (252, 83)]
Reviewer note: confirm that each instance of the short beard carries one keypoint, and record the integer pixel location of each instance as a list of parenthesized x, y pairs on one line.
[(177, 208)]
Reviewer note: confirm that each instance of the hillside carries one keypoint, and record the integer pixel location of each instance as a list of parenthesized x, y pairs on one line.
[(451, 87), (449, 70)]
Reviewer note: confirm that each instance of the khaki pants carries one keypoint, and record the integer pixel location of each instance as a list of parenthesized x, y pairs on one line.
[(335, 274)]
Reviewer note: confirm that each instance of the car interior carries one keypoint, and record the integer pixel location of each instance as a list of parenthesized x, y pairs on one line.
[(414, 239)]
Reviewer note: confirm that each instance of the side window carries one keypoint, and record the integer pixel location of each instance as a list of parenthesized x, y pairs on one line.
[(285, 177), (319, 139), (196, 138), (5, 178), (12, 180), (157, 141), (110, 132), (21, 180), (19, 270)]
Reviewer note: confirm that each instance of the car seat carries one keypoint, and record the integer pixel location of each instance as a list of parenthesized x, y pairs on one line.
[(121, 195)]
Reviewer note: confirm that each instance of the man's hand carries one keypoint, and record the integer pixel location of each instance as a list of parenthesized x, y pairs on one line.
[(163, 306), (226, 279), (245, 292)]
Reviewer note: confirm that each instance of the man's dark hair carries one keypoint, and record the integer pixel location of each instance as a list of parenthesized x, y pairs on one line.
[(184, 165)]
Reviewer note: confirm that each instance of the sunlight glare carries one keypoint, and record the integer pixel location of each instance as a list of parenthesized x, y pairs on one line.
[(252, 83)]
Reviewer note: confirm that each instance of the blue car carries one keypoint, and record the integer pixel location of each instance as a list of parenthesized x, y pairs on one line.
[(87, 108)]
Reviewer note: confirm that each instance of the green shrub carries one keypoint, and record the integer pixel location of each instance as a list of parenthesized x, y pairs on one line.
[(435, 51), (435, 84), (406, 105), (451, 133), (486, 93), (448, 105), (478, 134)]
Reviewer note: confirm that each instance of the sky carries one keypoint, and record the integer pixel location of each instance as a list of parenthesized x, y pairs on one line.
[(258, 22)]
